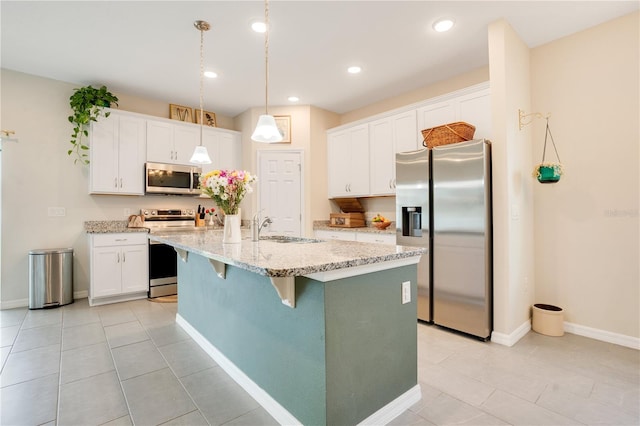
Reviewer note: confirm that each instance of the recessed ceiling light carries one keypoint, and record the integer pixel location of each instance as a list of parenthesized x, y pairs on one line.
[(354, 70), (293, 99), (210, 74), (442, 25), (259, 27)]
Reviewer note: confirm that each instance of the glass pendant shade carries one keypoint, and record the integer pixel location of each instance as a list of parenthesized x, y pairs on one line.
[(266, 130), (200, 156)]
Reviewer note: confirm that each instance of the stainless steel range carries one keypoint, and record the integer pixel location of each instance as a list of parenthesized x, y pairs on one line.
[(163, 279)]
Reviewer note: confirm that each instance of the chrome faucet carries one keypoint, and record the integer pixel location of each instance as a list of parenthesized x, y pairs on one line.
[(265, 222), (256, 226)]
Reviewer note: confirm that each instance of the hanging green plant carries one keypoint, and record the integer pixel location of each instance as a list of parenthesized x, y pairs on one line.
[(87, 104), (548, 172)]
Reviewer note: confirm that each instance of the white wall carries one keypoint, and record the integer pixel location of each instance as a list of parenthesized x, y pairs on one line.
[(308, 133), (587, 232), (513, 238)]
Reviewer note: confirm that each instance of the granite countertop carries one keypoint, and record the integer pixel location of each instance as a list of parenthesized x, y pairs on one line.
[(118, 226), (109, 227), (277, 259), (323, 225)]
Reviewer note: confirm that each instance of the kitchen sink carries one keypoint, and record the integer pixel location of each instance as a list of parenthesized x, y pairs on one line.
[(288, 239)]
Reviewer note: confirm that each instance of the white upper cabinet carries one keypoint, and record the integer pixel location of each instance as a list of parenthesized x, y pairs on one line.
[(117, 155), (387, 137), (473, 108), (349, 159), (348, 162), (171, 143), (224, 148)]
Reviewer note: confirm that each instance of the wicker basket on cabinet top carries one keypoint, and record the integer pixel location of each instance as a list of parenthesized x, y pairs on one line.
[(448, 133)]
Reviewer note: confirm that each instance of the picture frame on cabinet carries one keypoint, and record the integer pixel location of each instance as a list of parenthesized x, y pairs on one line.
[(283, 122), (180, 113), (208, 117)]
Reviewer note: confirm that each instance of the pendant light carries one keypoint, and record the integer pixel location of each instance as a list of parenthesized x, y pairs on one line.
[(200, 154), (266, 130)]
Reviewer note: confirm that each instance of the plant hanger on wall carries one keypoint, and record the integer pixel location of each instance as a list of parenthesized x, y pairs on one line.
[(548, 172)]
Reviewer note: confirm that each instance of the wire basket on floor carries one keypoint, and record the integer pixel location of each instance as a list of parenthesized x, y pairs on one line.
[(448, 133)]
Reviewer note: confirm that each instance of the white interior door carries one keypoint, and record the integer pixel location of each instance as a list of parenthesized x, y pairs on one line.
[(280, 191)]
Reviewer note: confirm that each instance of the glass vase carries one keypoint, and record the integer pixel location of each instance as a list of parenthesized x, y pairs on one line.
[(231, 233)]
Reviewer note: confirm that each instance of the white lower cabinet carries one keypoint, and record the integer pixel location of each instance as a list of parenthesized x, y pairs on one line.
[(365, 237), (119, 267), (335, 235), (374, 237)]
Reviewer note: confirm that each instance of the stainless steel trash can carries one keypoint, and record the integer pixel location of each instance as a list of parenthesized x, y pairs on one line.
[(50, 278)]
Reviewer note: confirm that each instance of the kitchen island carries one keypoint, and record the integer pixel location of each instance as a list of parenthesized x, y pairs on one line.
[(316, 331)]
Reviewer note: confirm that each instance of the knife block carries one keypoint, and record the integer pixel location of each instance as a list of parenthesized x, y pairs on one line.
[(200, 222)]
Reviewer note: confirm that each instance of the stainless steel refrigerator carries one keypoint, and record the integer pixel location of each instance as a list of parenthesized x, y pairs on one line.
[(443, 202)]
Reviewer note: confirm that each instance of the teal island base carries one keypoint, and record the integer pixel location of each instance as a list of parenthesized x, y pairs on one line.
[(346, 354)]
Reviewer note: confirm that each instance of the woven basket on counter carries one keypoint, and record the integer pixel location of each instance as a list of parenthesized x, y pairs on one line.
[(448, 133)]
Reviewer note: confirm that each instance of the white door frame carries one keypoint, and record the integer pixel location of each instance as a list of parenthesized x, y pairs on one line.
[(300, 153)]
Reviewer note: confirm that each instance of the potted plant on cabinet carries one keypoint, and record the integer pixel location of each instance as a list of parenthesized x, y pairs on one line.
[(87, 104)]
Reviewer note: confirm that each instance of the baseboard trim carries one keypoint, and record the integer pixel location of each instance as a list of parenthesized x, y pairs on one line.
[(23, 303), (393, 409), (277, 411), (12, 304), (603, 335), (512, 338)]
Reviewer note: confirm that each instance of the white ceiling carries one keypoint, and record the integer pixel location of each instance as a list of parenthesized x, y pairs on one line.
[(151, 49)]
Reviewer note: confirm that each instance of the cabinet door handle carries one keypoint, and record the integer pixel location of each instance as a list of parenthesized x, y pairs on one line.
[(120, 182), (124, 259), (121, 239), (117, 257), (115, 182)]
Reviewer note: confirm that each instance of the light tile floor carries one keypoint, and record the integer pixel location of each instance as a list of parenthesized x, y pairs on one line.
[(129, 363)]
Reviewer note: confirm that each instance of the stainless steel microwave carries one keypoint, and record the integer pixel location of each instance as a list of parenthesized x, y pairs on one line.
[(173, 179)]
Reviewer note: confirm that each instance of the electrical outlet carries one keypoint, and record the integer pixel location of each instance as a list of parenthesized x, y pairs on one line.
[(406, 292), (56, 211)]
